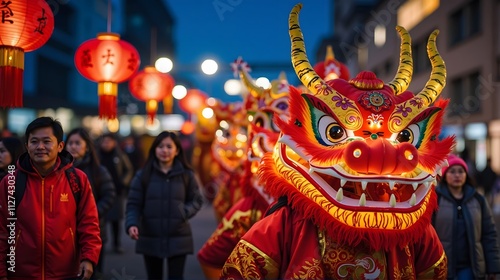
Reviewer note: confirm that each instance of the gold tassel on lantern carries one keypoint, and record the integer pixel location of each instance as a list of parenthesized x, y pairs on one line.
[(168, 104), (151, 108)]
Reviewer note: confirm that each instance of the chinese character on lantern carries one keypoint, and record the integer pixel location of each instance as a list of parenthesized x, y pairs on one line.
[(24, 26), (108, 61)]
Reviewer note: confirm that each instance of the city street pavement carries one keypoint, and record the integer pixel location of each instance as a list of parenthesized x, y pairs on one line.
[(130, 266)]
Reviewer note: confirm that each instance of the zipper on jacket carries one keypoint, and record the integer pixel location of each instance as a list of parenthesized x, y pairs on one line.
[(43, 228), (51, 192)]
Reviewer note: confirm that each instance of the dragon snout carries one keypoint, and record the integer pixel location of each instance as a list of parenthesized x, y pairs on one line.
[(380, 156)]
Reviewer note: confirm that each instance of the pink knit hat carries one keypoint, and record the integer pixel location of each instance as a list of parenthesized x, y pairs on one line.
[(455, 160)]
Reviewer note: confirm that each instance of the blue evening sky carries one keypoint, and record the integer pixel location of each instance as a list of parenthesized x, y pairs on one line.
[(257, 30)]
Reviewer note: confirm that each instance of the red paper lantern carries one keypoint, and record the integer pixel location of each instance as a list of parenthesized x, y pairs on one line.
[(187, 128), (151, 86), (24, 26), (193, 101), (108, 61)]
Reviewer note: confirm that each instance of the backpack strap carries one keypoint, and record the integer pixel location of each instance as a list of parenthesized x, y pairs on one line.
[(282, 201), (74, 183), (20, 186)]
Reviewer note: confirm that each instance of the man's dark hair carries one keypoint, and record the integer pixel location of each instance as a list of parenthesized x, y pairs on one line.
[(45, 122)]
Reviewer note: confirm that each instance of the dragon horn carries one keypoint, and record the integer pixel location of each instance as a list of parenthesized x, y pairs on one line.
[(329, 53), (300, 62), (437, 80), (351, 117), (405, 69), (254, 89)]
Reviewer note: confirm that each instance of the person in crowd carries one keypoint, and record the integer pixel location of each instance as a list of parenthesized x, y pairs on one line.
[(57, 227), (10, 150), (465, 225), (164, 195), (130, 147), (81, 147), (117, 163), (486, 180)]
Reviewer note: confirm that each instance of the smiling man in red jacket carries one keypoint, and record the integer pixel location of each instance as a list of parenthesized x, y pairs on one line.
[(56, 235)]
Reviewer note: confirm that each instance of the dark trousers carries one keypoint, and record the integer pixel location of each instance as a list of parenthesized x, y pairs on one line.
[(115, 233), (154, 267)]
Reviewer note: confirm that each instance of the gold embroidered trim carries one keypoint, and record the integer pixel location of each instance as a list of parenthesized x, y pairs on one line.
[(269, 260)]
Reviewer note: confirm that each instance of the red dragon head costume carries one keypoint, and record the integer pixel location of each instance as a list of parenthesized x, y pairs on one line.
[(330, 68), (229, 153), (360, 156)]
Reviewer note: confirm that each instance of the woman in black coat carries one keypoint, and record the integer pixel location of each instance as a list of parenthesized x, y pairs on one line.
[(164, 195), (81, 147)]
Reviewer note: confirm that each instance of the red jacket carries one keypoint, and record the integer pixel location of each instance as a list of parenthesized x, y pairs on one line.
[(52, 234)]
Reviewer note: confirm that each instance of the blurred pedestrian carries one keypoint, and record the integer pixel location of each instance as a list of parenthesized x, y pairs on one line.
[(10, 150), (81, 147), (121, 170), (131, 148), (164, 195), (465, 225), (56, 228), (486, 180)]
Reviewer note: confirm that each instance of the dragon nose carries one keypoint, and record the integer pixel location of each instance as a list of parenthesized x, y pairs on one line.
[(380, 156)]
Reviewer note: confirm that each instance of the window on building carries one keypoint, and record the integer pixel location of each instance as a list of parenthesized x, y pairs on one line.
[(421, 61), (465, 22), (388, 67), (465, 95), (412, 12)]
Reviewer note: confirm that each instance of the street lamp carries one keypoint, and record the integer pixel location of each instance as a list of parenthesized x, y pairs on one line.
[(164, 64), (232, 87), (209, 66), (263, 82), (179, 92)]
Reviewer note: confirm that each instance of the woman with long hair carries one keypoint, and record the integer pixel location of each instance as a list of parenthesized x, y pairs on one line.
[(164, 195), (81, 147)]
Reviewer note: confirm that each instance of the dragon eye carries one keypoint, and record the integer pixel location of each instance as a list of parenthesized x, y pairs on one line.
[(331, 132), (335, 132), (411, 134), (259, 122), (405, 136)]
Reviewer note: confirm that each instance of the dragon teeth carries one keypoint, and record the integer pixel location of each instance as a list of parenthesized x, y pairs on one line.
[(362, 200), (415, 186), (392, 201), (340, 195), (391, 185), (413, 200), (342, 182), (364, 184)]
